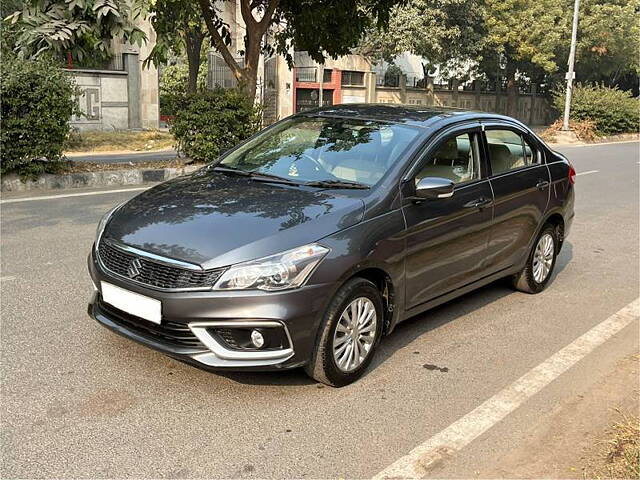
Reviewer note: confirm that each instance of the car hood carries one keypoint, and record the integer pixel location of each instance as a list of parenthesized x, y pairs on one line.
[(216, 220)]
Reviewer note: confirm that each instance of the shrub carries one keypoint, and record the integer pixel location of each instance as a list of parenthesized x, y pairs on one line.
[(210, 122), (173, 86), (392, 76), (612, 111), (38, 99)]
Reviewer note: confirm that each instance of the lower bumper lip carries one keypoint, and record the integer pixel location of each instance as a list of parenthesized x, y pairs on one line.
[(213, 353)]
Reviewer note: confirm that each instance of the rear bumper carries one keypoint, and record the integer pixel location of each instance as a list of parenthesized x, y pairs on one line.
[(189, 320)]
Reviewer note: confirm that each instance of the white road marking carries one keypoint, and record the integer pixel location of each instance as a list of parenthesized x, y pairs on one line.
[(568, 145), (66, 195), (587, 172), (7, 279), (462, 432)]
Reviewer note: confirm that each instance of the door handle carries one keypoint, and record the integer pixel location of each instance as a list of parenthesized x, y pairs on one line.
[(478, 203), (542, 184)]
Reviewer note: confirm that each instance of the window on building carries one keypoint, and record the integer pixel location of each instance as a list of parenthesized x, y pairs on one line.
[(350, 77)]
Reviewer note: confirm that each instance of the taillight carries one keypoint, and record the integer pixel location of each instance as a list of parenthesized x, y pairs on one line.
[(572, 174)]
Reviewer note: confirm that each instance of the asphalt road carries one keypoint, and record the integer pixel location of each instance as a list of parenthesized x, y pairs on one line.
[(79, 401)]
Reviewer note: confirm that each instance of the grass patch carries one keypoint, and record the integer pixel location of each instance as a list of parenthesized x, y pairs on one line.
[(144, 141), (620, 455)]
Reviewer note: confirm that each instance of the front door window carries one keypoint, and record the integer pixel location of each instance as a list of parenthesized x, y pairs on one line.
[(455, 159)]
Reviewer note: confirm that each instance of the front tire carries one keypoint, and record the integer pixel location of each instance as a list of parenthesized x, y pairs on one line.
[(349, 334), (540, 264)]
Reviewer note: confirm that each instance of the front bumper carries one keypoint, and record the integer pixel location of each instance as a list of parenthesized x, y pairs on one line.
[(190, 320)]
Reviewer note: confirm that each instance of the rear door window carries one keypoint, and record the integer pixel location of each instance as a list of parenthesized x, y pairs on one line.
[(509, 150)]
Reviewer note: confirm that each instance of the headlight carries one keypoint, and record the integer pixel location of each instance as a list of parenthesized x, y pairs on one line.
[(285, 270), (103, 222)]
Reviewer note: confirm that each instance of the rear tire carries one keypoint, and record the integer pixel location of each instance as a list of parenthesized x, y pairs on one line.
[(540, 264), (349, 334)]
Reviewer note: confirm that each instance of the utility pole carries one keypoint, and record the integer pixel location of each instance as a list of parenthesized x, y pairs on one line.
[(571, 72)]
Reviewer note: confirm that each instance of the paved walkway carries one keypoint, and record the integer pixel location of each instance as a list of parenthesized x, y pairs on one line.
[(101, 157)]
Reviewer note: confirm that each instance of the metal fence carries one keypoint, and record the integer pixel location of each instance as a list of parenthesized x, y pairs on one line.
[(219, 73)]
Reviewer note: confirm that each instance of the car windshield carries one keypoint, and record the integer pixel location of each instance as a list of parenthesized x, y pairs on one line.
[(317, 149)]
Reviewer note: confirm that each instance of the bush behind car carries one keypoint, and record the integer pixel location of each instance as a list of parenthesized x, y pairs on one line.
[(612, 111), (38, 100), (208, 123)]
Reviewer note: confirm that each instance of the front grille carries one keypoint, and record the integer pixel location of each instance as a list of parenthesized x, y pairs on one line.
[(155, 274), (169, 333)]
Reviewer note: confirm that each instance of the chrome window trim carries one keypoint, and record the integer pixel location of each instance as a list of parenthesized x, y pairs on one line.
[(514, 171)]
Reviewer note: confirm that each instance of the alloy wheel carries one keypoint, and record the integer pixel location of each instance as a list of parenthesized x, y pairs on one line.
[(543, 258), (355, 334)]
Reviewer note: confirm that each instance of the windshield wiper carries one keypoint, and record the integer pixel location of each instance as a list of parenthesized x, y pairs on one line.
[(337, 184), (268, 177), (231, 170), (257, 176)]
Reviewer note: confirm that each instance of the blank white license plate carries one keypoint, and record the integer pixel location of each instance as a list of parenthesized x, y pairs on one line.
[(133, 303)]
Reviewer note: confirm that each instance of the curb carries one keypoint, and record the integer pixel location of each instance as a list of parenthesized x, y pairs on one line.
[(106, 178)]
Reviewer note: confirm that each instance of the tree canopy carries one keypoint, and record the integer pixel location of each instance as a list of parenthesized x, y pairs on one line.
[(608, 42), (446, 32), (515, 38), (320, 27), (528, 38), (83, 28)]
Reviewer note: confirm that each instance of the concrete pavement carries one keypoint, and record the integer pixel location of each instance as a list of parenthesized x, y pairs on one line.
[(79, 401), (133, 157)]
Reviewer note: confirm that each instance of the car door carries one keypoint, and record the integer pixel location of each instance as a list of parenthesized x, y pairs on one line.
[(520, 181), (446, 238)]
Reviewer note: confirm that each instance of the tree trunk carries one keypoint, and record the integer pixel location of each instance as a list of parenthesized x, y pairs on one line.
[(249, 76), (193, 41), (255, 29), (248, 81)]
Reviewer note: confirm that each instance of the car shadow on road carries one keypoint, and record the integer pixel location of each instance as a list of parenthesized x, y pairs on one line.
[(408, 331)]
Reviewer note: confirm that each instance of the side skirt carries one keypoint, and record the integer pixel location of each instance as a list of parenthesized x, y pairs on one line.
[(423, 307)]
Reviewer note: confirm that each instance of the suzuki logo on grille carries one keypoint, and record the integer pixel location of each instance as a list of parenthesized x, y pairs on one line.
[(134, 268)]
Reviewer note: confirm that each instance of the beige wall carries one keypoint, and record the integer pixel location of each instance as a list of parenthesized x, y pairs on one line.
[(149, 95), (388, 95), (103, 102)]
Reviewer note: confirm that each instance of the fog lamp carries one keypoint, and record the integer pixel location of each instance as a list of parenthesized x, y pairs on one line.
[(257, 339)]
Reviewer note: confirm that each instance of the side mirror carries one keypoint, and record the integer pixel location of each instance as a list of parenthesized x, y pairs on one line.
[(434, 187)]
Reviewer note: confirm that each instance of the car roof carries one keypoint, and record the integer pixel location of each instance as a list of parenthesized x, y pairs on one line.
[(416, 115)]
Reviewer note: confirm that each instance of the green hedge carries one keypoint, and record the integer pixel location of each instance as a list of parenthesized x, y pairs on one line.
[(613, 111), (173, 86), (38, 100), (210, 122)]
